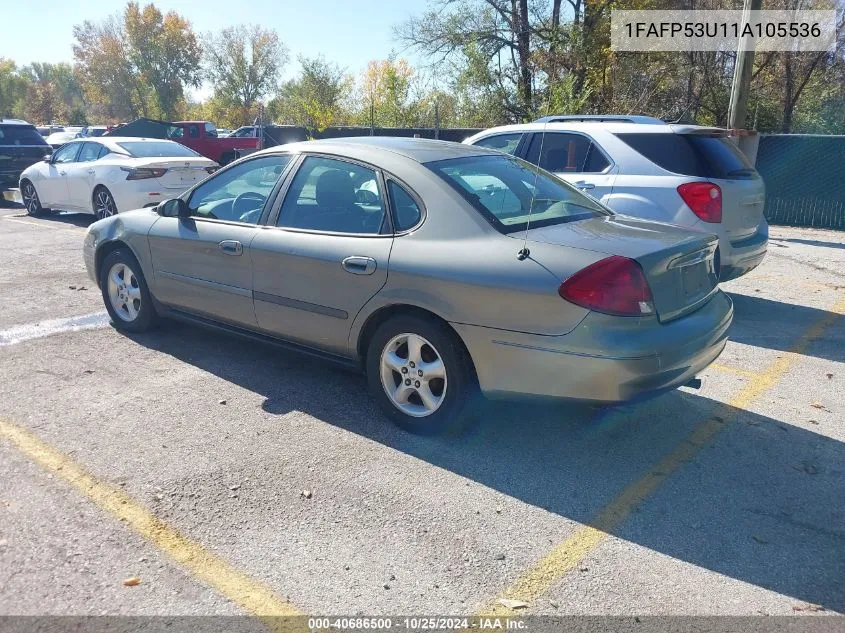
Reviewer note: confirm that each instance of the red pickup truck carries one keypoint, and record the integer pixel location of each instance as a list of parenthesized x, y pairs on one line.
[(201, 136)]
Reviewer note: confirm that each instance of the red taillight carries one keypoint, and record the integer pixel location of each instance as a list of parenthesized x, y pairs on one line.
[(615, 285), (704, 198), (142, 173)]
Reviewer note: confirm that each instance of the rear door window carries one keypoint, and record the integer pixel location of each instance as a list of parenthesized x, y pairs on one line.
[(696, 155), (566, 153), (89, 152)]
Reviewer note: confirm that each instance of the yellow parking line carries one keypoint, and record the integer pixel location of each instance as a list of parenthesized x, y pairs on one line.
[(568, 554), (45, 226), (747, 373), (254, 597)]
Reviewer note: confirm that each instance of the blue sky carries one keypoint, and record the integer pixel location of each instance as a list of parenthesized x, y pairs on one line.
[(350, 32)]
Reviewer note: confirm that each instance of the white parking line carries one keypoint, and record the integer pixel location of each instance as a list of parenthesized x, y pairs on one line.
[(21, 333)]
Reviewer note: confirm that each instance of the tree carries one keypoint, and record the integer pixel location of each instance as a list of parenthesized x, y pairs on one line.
[(243, 64), (499, 32), (385, 92), (164, 52), (13, 88), (316, 98), (136, 63)]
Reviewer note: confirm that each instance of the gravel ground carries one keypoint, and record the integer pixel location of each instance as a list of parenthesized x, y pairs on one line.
[(750, 521)]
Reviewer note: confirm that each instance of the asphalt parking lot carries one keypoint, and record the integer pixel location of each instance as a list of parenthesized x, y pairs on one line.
[(230, 478)]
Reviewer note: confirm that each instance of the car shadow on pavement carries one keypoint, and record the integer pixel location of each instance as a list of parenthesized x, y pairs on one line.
[(776, 325), (822, 243), (762, 504), (83, 220)]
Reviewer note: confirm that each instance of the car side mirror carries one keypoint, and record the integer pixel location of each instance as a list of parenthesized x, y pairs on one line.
[(47, 158), (174, 208)]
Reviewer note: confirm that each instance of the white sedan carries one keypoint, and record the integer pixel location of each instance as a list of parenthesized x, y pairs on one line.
[(111, 174)]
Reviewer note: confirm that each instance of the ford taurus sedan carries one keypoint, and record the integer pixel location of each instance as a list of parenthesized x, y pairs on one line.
[(441, 270)]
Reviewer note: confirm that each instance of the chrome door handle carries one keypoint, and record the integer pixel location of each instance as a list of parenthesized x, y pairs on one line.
[(359, 265), (584, 185), (62, 173), (92, 172), (231, 247)]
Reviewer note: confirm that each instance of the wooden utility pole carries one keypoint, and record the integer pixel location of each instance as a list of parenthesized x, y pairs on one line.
[(742, 73)]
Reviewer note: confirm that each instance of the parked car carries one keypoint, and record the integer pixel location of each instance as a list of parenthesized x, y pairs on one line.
[(20, 146), (57, 139), (111, 174), (689, 175), (47, 130), (202, 137), (413, 260), (93, 131)]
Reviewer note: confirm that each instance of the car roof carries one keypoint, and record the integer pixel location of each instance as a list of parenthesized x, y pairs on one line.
[(20, 122), (614, 127), (373, 147)]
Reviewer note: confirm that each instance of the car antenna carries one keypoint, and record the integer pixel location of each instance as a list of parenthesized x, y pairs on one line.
[(524, 253)]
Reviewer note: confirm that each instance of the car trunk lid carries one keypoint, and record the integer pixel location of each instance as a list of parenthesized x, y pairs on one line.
[(181, 172), (677, 263)]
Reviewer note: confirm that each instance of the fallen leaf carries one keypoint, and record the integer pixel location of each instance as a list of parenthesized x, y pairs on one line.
[(830, 376), (817, 405), (500, 557), (234, 486), (222, 402), (131, 582), (759, 539), (305, 494), (512, 604), (814, 422), (810, 469), (808, 607)]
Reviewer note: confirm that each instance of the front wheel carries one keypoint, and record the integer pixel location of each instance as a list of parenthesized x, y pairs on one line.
[(31, 200), (420, 375), (104, 205), (125, 292)]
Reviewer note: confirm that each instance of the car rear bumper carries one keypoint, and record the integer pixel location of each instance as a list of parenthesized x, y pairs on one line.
[(740, 257), (605, 359)]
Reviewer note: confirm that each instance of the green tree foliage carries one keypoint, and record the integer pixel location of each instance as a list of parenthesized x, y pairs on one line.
[(316, 98), (137, 63), (164, 53), (243, 64), (12, 89)]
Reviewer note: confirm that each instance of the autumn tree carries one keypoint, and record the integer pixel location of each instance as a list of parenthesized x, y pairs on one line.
[(13, 87), (243, 64), (315, 98), (164, 52), (137, 63)]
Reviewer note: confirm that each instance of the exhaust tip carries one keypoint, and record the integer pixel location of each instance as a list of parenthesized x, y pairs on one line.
[(694, 383)]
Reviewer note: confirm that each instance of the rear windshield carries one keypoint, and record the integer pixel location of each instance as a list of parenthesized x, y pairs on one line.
[(507, 190), (20, 135), (157, 149), (693, 155)]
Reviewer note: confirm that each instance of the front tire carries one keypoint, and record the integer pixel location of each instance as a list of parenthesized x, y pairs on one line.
[(125, 292), (31, 200), (421, 376), (104, 205)]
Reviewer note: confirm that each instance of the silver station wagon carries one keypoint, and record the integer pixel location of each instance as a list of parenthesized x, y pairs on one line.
[(441, 270)]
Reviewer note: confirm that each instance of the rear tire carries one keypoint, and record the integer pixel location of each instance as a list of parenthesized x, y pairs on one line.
[(420, 375), (103, 203), (125, 292), (31, 200)]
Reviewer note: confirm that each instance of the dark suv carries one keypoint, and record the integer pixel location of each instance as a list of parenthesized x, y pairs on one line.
[(20, 146)]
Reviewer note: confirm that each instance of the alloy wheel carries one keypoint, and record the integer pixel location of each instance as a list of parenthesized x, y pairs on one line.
[(30, 199), (104, 204), (124, 292), (413, 375)]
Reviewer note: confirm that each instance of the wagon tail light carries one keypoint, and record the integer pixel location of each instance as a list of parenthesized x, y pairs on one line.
[(615, 285), (142, 173), (704, 198)]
